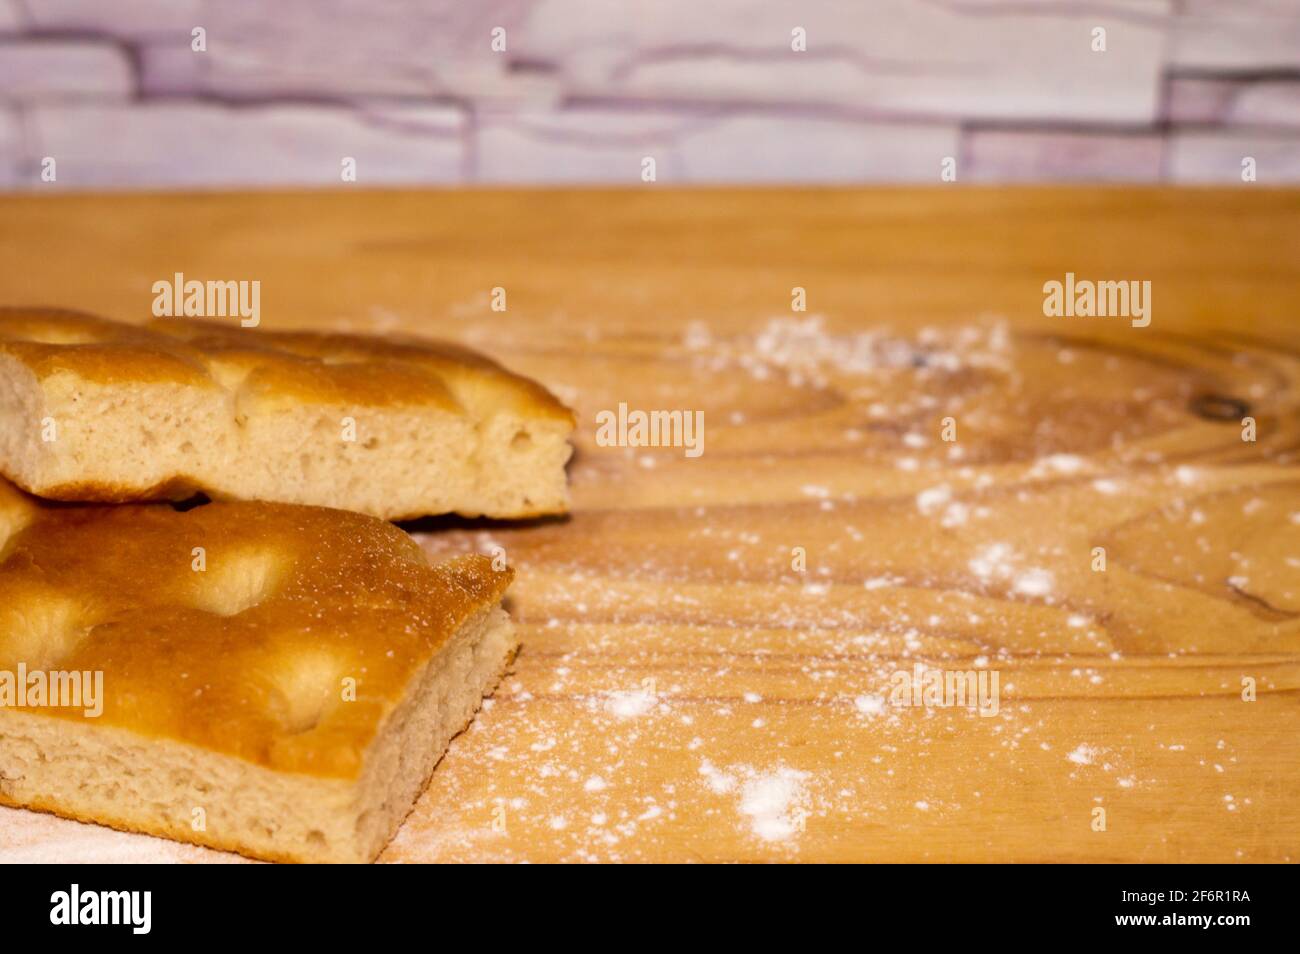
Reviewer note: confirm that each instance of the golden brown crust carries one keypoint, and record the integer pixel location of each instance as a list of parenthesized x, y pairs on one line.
[(233, 626), (54, 340), (367, 369), (357, 369)]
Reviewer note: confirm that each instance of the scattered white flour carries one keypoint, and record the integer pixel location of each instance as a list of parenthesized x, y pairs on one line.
[(998, 562), (870, 705), (931, 499), (992, 562), (955, 514), (805, 347), (1034, 583), (630, 703), (771, 801), (595, 784), (1083, 755), (698, 336), (718, 781), (1060, 463), (806, 352), (880, 582)]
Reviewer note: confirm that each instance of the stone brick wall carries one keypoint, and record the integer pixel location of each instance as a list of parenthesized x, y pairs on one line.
[(1012, 90)]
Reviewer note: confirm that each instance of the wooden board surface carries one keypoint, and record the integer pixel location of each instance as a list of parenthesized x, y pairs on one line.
[(685, 692)]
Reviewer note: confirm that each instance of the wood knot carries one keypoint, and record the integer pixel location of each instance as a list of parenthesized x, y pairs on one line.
[(1218, 407)]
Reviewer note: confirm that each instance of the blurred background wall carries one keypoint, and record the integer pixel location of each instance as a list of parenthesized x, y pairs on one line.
[(584, 90)]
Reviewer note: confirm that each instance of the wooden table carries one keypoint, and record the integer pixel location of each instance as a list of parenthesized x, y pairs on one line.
[(685, 692)]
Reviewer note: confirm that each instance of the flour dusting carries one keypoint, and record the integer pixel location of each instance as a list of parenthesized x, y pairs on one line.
[(774, 803), (628, 704)]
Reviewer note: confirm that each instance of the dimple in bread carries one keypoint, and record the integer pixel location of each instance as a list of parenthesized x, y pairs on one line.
[(97, 410), (277, 680)]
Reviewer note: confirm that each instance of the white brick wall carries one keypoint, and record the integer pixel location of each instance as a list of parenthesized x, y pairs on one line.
[(195, 144), (1240, 34), (10, 19), (336, 48), (42, 70), (134, 19), (587, 88), (998, 155), (886, 56), (608, 146), (1233, 102), (1216, 157)]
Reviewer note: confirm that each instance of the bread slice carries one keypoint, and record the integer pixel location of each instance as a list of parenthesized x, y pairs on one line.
[(96, 410), (275, 680)]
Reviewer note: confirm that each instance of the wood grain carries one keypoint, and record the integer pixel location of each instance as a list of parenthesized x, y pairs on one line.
[(684, 692)]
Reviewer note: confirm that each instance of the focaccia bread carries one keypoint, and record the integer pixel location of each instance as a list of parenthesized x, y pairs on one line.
[(274, 680), (96, 410)]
